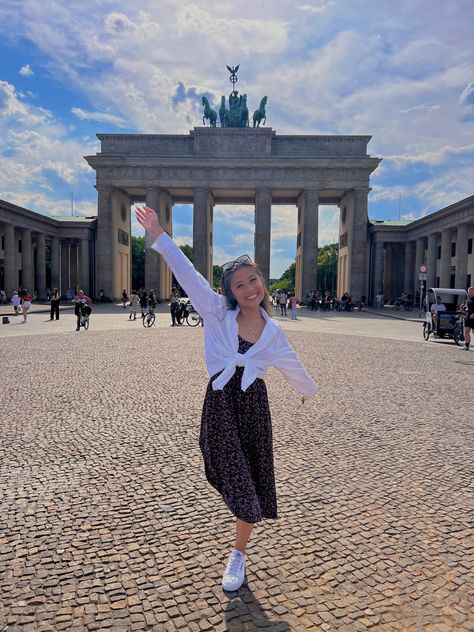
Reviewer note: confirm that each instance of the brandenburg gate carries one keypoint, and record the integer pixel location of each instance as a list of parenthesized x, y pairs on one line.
[(225, 165)]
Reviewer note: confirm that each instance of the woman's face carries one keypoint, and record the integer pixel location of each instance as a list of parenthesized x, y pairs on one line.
[(247, 287)]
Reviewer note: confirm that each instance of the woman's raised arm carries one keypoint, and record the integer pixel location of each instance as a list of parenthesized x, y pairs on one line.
[(203, 298)]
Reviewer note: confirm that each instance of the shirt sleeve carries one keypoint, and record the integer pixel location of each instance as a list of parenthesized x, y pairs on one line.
[(202, 296), (290, 365)]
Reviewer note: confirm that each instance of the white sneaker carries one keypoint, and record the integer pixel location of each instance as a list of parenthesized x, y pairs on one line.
[(464, 348), (235, 571)]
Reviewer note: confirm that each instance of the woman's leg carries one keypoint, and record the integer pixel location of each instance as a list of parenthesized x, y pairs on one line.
[(242, 535)]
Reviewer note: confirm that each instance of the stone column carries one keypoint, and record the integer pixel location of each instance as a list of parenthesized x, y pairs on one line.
[(432, 259), (419, 259), (152, 258), (358, 240), (461, 256), (26, 261), (445, 267), (202, 232), (165, 202), (309, 208), (263, 220), (104, 259), (11, 272), (378, 268), (408, 272), (55, 267), (41, 265), (85, 267)]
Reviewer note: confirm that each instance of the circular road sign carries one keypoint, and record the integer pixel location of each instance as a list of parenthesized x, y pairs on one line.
[(423, 269)]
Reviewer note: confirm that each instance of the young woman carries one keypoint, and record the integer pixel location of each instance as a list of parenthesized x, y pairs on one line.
[(26, 299), (241, 341)]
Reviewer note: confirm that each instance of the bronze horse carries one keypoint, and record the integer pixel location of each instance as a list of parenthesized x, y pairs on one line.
[(260, 114), (209, 113)]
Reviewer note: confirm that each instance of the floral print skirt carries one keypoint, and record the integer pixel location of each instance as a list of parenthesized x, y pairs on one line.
[(236, 444)]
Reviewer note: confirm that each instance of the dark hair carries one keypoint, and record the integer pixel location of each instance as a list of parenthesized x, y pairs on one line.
[(227, 292)]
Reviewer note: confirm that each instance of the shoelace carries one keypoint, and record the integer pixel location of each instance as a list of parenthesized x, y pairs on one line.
[(234, 564)]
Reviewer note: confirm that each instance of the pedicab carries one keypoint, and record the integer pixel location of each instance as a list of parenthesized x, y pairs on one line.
[(449, 323)]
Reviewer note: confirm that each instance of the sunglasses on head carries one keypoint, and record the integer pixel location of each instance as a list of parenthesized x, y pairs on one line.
[(226, 267)]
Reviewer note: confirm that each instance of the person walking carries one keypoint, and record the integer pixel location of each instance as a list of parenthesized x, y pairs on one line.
[(124, 298), (379, 300), (468, 318), (15, 301), (293, 306), (134, 303), (241, 341), (26, 300), (54, 304)]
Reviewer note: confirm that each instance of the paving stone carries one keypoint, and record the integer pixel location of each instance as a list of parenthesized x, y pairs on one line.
[(108, 521)]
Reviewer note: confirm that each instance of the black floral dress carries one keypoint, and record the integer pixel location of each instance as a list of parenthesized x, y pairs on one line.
[(236, 444)]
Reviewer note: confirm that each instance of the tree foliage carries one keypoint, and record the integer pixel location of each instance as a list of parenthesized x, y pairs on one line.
[(138, 262)]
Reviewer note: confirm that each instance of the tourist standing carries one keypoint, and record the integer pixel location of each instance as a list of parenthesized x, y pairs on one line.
[(134, 303), (469, 318), (124, 298), (236, 431), (54, 304), (174, 306), (282, 298), (379, 300)]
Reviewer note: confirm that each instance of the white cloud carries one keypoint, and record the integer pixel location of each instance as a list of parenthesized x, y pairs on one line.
[(101, 117), (26, 71), (309, 8)]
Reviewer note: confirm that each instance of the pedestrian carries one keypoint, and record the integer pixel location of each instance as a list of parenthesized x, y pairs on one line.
[(134, 303), (124, 298), (379, 300), (293, 306), (143, 302), (54, 304), (174, 306), (468, 318), (241, 341), (282, 298), (15, 301), (26, 299)]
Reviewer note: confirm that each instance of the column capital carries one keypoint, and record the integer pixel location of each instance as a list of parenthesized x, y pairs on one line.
[(104, 188)]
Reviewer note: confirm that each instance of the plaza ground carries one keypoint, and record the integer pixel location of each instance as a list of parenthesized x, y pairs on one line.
[(108, 522)]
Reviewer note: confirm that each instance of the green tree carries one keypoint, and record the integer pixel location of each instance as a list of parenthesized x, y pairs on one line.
[(138, 262), (327, 267)]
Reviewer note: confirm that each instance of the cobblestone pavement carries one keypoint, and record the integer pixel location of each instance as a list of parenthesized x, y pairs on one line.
[(107, 521)]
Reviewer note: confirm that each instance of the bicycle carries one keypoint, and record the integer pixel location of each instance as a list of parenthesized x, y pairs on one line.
[(84, 317), (188, 314), (149, 318), (402, 302)]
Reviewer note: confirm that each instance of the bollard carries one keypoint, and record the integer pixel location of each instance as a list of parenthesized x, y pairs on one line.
[(5, 320)]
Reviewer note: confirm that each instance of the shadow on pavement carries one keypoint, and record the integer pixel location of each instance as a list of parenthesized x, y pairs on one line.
[(244, 613)]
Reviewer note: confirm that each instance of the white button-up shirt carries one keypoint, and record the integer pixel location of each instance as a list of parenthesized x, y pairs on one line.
[(221, 331)]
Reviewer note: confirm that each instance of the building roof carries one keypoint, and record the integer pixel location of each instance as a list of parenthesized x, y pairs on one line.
[(390, 222), (70, 218)]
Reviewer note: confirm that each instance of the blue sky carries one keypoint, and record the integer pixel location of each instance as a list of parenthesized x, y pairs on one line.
[(402, 72)]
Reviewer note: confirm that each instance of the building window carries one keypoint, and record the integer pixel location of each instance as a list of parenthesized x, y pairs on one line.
[(437, 281), (469, 247), (122, 237), (439, 252), (3, 243), (19, 245), (452, 281), (453, 250), (468, 280)]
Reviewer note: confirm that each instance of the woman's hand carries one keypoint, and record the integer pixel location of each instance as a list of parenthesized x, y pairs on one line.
[(149, 220)]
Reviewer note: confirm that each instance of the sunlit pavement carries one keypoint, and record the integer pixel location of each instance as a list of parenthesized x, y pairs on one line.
[(108, 523)]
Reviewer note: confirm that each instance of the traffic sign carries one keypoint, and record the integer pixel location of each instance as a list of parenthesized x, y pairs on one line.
[(423, 269), (422, 277)]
